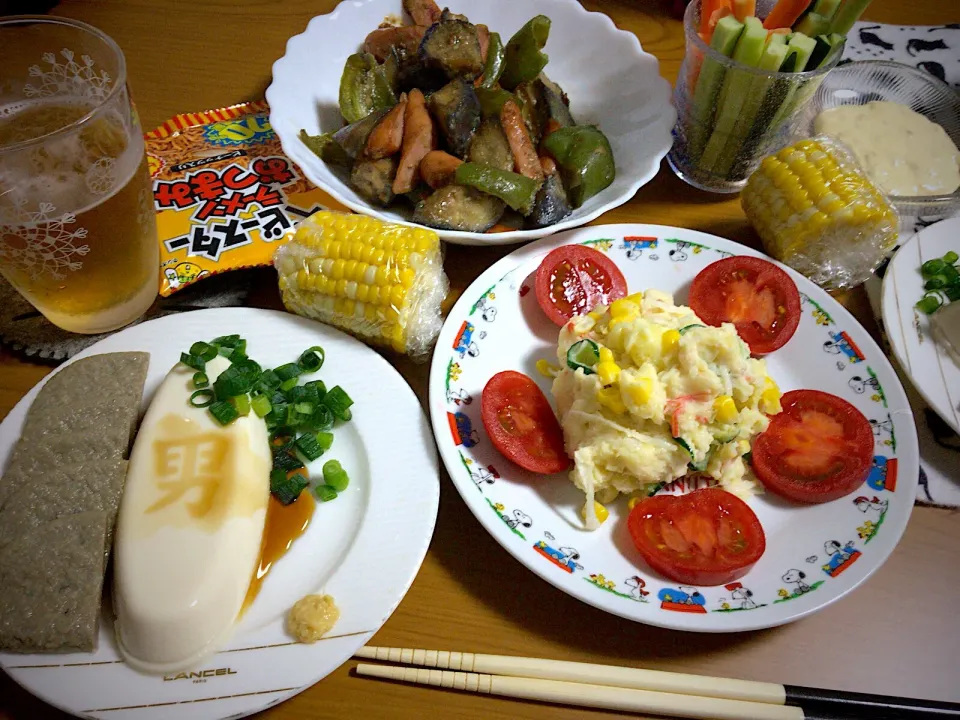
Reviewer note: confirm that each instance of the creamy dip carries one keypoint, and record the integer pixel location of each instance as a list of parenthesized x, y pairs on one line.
[(901, 151)]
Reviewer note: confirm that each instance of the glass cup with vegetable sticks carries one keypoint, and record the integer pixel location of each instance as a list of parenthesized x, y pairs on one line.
[(78, 235), (745, 81)]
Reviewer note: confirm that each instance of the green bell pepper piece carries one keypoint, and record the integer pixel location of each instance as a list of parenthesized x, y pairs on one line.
[(585, 159), (514, 189), (493, 67), (492, 100), (523, 57), (326, 148), (364, 87)]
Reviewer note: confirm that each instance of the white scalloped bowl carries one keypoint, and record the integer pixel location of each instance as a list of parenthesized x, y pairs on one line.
[(609, 78)]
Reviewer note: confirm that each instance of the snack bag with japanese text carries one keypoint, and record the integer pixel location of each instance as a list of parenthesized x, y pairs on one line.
[(225, 193)]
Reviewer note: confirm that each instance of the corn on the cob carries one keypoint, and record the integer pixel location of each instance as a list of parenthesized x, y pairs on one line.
[(381, 282), (816, 211)]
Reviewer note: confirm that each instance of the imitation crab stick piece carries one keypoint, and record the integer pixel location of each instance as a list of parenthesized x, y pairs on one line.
[(387, 137), (525, 158), (419, 138), (742, 9), (785, 13), (438, 168)]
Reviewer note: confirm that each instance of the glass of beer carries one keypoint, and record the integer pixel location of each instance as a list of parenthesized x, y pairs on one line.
[(78, 234)]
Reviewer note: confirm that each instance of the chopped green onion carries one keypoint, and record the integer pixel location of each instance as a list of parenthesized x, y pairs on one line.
[(951, 257), (286, 488), (325, 493), (206, 398), (268, 381), (261, 405), (308, 446), (194, 361), (318, 388), (227, 340), (204, 350), (200, 380), (285, 460), (930, 303), (223, 412), (311, 360), (225, 351), (288, 384), (335, 476), (238, 379), (339, 403), (304, 408), (303, 393), (288, 371), (932, 267), (241, 403), (936, 283), (325, 440), (583, 355), (322, 418)]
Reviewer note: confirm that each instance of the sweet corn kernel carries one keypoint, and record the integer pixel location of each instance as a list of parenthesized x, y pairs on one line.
[(610, 399), (640, 391), (599, 510), (609, 372), (547, 369), (605, 354), (636, 298), (623, 310), (669, 341), (355, 272), (724, 409)]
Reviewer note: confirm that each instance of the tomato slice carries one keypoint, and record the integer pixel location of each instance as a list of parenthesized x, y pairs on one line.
[(819, 448), (707, 537), (755, 295), (572, 279), (521, 424)]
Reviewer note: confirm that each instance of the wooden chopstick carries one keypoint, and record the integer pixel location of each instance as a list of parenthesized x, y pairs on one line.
[(829, 703), (586, 695)]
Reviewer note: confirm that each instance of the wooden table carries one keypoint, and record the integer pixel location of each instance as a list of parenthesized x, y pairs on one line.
[(892, 635)]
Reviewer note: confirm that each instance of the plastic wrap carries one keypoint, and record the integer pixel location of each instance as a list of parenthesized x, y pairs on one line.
[(382, 282), (816, 211)]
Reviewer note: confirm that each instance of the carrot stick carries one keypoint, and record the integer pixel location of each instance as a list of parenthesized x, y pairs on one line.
[(717, 15), (386, 138), (779, 31), (548, 165), (438, 168), (785, 13), (707, 9), (525, 158), (419, 138), (743, 9)]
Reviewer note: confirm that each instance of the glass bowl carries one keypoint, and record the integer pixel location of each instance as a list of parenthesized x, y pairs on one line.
[(858, 83)]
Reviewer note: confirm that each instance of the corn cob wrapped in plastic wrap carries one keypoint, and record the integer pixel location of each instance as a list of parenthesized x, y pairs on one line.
[(816, 211), (381, 282)]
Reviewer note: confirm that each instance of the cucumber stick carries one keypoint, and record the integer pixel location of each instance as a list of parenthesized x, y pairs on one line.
[(736, 90), (724, 40), (771, 60), (799, 50), (826, 8), (849, 12), (813, 24)]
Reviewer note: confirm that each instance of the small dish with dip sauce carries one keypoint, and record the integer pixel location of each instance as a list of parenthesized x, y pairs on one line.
[(872, 81)]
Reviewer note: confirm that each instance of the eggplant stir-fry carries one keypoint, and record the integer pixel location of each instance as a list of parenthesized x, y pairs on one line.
[(445, 116)]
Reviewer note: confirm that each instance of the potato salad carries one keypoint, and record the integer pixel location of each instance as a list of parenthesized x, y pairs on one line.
[(648, 393)]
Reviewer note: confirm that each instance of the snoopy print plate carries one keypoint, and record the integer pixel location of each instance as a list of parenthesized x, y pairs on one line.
[(815, 554)]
